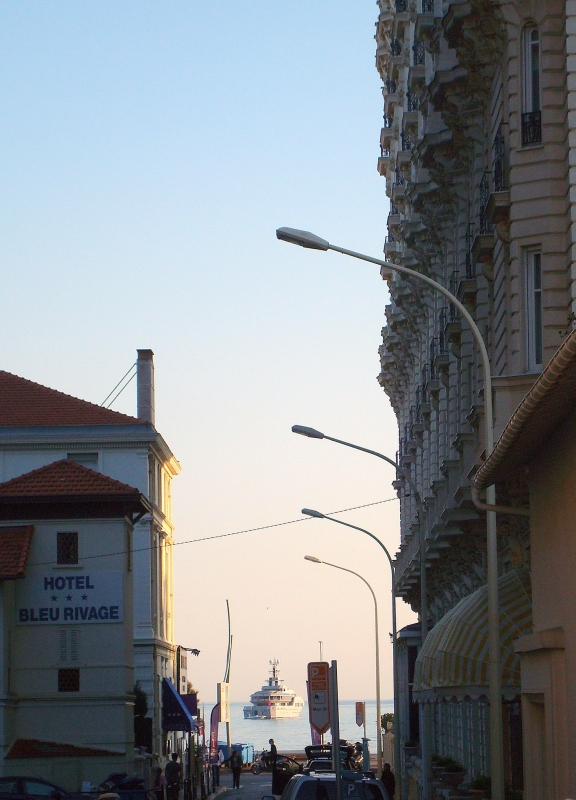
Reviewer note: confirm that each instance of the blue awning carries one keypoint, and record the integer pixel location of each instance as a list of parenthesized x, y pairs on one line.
[(175, 715)]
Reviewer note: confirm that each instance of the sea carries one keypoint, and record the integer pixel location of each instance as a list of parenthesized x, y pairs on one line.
[(292, 735)]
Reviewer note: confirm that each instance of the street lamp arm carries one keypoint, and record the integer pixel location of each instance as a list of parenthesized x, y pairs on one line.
[(371, 535), (405, 474), (461, 308), (351, 571)]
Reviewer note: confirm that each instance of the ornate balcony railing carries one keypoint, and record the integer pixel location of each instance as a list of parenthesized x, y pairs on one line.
[(433, 353), (395, 47), (418, 50), (387, 122), (484, 196), (531, 128), (427, 6), (412, 101), (401, 6), (390, 238), (384, 152), (469, 238), (394, 211), (399, 179), (453, 282), (391, 87), (405, 140), (500, 171)]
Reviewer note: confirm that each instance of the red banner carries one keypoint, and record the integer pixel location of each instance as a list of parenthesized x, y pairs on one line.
[(214, 720)]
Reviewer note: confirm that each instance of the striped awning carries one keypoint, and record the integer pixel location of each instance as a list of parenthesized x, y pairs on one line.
[(453, 662)]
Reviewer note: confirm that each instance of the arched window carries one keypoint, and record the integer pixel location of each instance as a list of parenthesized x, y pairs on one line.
[(531, 110)]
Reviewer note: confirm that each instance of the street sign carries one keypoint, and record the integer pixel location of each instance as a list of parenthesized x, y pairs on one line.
[(223, 699), (319, 696), (359, 714)]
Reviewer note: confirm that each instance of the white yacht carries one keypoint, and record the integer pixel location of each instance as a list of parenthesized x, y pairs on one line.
[(274, 701)]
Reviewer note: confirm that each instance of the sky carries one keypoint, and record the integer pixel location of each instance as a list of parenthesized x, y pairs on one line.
[(149, 152)]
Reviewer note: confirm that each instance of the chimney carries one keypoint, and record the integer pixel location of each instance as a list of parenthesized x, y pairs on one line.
[(145, 385)]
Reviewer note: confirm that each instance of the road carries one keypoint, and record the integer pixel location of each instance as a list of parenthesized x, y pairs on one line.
[(252, 787)]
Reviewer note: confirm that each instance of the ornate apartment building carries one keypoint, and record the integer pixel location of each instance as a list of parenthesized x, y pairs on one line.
[(477, 150)]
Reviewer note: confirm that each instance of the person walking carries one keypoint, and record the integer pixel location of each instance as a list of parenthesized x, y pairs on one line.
[(173, 774), (389, 781), (236, 764), (159, 785)]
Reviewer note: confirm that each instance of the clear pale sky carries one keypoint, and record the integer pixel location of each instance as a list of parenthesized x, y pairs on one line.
[(149, 152)]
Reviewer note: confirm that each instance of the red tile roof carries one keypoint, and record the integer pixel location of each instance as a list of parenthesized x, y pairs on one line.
[(64, 479), (14, 548), (25, 403), (35, 748)]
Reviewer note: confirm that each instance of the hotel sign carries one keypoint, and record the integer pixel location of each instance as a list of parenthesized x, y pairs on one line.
[(70, 598)]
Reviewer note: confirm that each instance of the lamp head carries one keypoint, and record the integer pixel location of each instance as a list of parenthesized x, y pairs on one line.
[(311, 513), (314, 559), (303, 238), (311, 433)]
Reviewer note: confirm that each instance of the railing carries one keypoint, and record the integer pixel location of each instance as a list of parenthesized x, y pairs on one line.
[(443, 319), (412, 101), (427, 6), (469, 238), (384, 152), (405, 140), (531, 128), (399, 179), (401, 6), (500, 176), (387, 122), (418, 50), (394, 210), (391, 87), (389, 239), (395, 47), (484, 196), (453, 282), (433, 352)]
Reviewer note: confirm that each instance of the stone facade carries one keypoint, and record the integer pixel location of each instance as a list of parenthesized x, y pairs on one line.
[(475, 150)]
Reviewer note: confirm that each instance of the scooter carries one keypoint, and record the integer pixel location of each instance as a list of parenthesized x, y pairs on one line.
[(264, 764)]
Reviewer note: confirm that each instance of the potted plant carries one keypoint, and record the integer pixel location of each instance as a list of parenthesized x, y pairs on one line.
[(480, 787), (410, 748), (451, 772)]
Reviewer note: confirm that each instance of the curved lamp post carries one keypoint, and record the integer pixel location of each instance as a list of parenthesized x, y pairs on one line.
[(377, 641), (312, 433), (310, 240)]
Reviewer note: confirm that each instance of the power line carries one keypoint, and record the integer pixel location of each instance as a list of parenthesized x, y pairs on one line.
[(117, 385), (220, 535)]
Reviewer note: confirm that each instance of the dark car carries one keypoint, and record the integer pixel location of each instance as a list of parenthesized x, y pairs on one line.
[(322, 786), (25, 788)]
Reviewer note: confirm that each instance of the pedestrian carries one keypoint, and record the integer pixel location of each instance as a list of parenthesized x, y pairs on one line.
[(273, 753), (389, 781), (216, 768), (159, 784), (173, 774), (236, 764)]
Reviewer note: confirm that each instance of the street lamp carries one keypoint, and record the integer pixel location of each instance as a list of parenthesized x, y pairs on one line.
[(312, 433), (377, 641), (397, 765), (310, 240)]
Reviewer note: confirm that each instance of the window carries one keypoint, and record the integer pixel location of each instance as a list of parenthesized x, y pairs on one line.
[(534, 308), (531, 117), (67, 548), (8, 785), (68, 680), (89, 460)]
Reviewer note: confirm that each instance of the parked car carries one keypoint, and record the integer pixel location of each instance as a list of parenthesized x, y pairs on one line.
[(322, 786), (26, 788)]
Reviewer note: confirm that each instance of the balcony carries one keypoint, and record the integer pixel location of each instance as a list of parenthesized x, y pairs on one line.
[(383, 161), (401, 6), (498, 209), (418, 54), (395, 48), (531, 128)]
